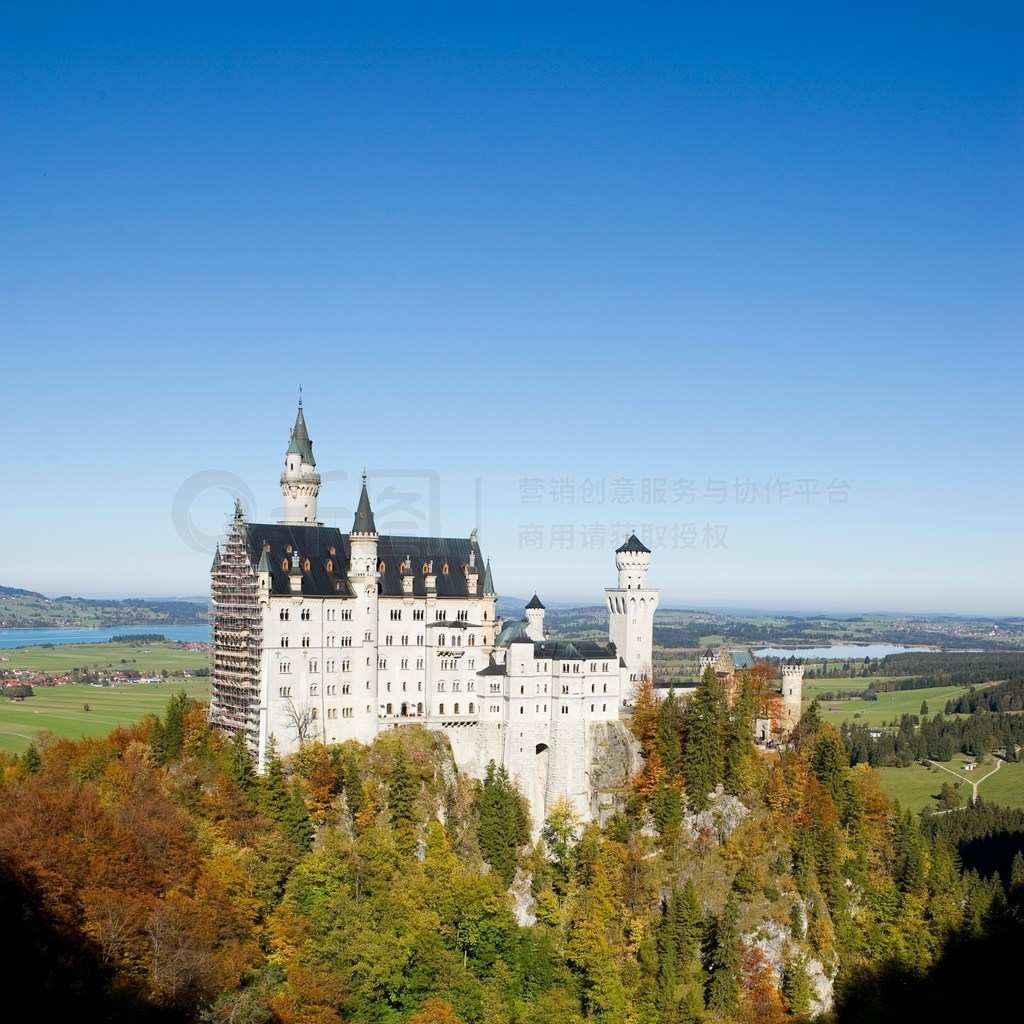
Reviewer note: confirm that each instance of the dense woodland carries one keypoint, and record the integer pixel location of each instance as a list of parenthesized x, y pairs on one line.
[(153, 876)]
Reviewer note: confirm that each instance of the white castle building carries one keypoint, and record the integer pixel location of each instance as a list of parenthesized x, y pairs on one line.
[(322, 635)]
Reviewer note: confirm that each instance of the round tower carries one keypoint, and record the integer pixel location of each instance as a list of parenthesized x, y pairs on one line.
[(792, 695), (300, 482), (631, 608)]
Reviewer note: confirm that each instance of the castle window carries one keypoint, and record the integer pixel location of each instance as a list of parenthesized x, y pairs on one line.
[(332, 551), (389, 711), (284, 563), (605, 687), (455, 710), (591, 707), (405, 663), (440, 640), (520, 709), (284, 691), (284, 667), (456, 686), (314, 665), (380, 566), (417, 615), (522, 689), (565, 709), (472, 640), (330, 665), (419, 708), (284, 641), (347, 712), (330, 565), (565, 689), (419, 663), (472, 709), (367, 637), (440, 709), (305, 641), (604, 707), (440, 686), (305, 565), (389, 640), (330, 640), (382, 663), (426, 568), (284, 616), (444, 569), (346, 614), (315, 713), (396, 614), (346, 665), (346, 688), (288, 548)]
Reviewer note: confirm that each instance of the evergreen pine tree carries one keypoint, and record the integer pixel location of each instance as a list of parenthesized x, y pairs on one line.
[(503, 827), (240, 767), (702, 752), (31, 760), (796, 986), (740, 751), (296, 825), (274, 798), (724, 960), (668, 740), (174, 725), (403, 789)]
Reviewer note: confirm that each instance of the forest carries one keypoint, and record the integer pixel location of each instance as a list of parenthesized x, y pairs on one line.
[(154, 876)]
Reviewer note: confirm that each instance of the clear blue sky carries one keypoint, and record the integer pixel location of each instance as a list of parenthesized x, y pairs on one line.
[(745, 278)]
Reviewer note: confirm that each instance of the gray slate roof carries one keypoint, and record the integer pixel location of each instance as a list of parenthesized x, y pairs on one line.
[(316, 543)]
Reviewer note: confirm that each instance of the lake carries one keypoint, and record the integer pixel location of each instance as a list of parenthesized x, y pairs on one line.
[(840, 652), (71, 635)]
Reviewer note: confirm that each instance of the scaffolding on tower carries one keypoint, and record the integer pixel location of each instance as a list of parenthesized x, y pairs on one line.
[(237, 637)]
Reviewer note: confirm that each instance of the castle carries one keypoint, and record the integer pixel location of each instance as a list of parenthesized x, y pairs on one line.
[(321, 635)]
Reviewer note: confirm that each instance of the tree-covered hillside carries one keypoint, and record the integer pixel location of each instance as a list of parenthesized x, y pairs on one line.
[(153, 876)]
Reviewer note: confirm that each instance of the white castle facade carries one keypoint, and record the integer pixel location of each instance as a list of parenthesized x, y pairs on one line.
[(321, 635)]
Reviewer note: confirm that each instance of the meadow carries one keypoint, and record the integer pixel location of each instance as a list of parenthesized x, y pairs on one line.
[(61, 710), (917, 786), (148, 659), (880, 712)]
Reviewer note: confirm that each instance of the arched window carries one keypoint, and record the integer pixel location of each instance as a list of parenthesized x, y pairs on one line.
[(472, 709), (455, 710), (389, 709), (440, 686), (440, 709)]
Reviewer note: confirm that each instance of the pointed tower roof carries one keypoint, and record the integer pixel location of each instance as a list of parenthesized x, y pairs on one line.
[(264, 565), (364, 514), (300, 443), (488, 579), (216, 559), (535, 603), (633, 544)]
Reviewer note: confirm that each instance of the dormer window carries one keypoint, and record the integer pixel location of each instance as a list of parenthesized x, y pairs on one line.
[(284, 563)]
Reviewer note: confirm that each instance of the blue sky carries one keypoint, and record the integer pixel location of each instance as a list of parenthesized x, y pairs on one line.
[(743, 278)]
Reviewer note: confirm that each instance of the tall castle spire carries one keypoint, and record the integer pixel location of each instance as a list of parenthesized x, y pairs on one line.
[(363, 522), (300, 482)]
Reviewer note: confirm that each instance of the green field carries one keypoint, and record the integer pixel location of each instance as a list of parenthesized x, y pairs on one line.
[(61, 709), (876, 713), (917, 786), (149, 659)]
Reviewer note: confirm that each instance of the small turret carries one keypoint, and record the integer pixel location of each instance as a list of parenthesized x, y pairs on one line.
[(535, 619)]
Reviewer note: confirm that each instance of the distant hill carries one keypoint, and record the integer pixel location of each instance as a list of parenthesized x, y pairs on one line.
[(27, 609), (16, 592)]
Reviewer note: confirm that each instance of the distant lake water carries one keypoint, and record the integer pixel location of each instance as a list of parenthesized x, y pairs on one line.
[(840, 652), (33, 637)]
